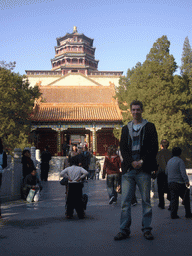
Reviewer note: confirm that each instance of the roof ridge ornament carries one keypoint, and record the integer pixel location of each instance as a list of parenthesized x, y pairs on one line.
[(74, 29)]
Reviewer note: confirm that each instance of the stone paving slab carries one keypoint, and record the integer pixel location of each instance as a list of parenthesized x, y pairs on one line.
[(41, 228)]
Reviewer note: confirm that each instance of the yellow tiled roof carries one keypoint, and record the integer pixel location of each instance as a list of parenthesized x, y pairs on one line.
[(77, 113), (87, 103)]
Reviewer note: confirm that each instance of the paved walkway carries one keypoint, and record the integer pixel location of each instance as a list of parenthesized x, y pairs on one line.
[(41, 228)]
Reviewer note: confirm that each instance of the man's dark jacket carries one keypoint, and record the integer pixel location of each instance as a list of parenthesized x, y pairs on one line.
[(148, 148)]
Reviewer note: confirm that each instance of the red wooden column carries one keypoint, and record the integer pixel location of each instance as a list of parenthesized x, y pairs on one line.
[(59, 152)]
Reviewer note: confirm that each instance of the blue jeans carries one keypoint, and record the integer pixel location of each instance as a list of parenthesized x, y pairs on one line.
[(112, 183), (129, 181)]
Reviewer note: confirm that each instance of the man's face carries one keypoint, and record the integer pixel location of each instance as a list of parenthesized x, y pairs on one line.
[(136, 112), (33, 172), (27, 153)]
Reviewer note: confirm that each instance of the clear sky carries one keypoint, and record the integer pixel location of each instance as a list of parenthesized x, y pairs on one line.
[(123, 30)]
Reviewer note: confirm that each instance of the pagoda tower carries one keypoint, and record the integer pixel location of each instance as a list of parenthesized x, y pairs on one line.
[(74, 53)]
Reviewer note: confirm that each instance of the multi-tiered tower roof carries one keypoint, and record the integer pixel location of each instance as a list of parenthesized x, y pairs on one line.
[(74, 53)]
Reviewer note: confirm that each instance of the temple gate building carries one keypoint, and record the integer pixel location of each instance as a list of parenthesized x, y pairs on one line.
[(77, 104)]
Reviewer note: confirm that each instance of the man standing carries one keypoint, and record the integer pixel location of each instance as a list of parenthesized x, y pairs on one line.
[(45, 158), (75, 175), (163, 157), (178, 182), (139, 147)]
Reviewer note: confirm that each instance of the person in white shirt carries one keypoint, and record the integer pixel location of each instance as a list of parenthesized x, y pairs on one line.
[(75, 175)]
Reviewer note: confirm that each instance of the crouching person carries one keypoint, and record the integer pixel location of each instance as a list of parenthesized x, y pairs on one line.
[(75, 176), (32, 187)]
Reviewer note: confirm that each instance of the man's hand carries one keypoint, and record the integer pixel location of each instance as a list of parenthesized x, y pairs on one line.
[(140, 163), (187, 184), (135, 164)]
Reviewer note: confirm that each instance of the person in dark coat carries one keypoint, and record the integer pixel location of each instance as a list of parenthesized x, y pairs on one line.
[(3, 165), (45, 158), (31, 182), (84, 158), (27, 163), (163, 157)]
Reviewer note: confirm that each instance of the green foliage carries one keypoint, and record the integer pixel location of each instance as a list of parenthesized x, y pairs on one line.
[(186, 72), (186, 60), (166, 97), (16, 105), (117, 132)]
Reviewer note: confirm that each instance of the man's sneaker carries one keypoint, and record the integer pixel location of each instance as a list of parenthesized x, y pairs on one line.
[(161, 206), (69, 217), (121, 236), (188, 216), (175, 217), (112, 199), (148, 235)]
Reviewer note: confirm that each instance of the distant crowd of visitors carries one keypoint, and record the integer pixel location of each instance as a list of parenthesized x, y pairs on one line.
[(134, 164), (32, 183)]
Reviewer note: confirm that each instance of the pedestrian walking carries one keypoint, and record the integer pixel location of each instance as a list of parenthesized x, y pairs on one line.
[(178, 183), (3, 165), (163, 156), (97, 171), (45, 158), (111, 168), (85, 158), (92, 165), (73, 152), (139, 147)]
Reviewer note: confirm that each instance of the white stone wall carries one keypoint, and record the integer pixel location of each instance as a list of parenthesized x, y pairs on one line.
[(12, 178), (56, 166)]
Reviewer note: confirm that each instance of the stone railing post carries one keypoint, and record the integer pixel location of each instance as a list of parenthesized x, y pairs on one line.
[(16, 174), (38, 160), (33, 155)]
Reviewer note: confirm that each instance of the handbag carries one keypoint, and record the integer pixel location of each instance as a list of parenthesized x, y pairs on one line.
[(64, 181), (37, 196), (30, 195)]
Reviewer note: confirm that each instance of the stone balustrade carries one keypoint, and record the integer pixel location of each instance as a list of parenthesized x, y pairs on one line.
[(12, 176)]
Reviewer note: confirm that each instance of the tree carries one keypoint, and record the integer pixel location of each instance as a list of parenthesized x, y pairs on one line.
[(16, 105), (10, 65), (186, 72), (165, 96), (186, 60)]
